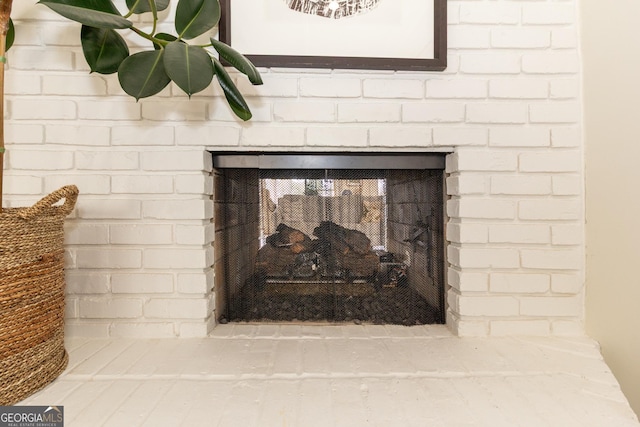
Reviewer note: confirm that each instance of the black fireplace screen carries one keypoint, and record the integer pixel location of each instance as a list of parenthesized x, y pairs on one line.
[(330, 245)]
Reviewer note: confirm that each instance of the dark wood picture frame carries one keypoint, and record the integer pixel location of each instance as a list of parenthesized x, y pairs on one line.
[(437, 63)]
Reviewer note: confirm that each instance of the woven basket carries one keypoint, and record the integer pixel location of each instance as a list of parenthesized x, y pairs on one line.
[(32, 352)]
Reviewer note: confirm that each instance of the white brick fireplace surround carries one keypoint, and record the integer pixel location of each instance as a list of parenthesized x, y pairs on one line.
[(140, 245)]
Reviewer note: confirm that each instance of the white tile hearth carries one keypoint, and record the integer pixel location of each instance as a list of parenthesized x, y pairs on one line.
[(355, 375)]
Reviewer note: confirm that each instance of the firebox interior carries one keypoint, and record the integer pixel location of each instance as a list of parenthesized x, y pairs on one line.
[(329, 238)]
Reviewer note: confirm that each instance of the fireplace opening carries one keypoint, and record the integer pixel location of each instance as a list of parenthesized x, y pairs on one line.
[(329, 238)]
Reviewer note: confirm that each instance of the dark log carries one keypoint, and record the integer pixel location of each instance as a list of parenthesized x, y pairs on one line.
[(355, 240), (361, 265), (274, 261), (341, 251), (358, 242), (286, 236), (336, 244), (290, 235)]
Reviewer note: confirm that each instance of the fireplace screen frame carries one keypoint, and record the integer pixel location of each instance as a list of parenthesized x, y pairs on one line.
[(237, 194)]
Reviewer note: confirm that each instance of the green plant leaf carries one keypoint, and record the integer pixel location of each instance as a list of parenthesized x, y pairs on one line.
[(143, 6), (106, 6), (195, 17), (231, 92), (11, 36), (104, 49), (94, 13), (165, 37), (142, 74), (188, 66), (237, 60)]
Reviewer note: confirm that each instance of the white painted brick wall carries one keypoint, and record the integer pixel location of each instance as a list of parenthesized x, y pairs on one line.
[(194, 234), (197, 134), (87, 184), (489, 13), (57, 59), (468, 281), (137, 283), (521, 38), (519, 283), (555, 63), (73, 85), (385, 137), (107, 208), (497, 113), (292, 111), (564, 39), (86, 234), (139, 244), (520, 137), (177, 259), (482, 161), (520, 327), (177, 209), (566, 137), (519, 233), (369, 112), (467, 233), (145, 134), (469, 37), (337, 137), (484, 257), (490, 63), (111, 308), (107, 160), (193, 283), (555, 259), (431, 112), (148, 184), (518, 89), (467, 184), (546, 13), (566, 283), (470, 207), (42, 160), (452, 136), (108, 258), (176, 308), (322, 87), (152, 234), (494, 306), (78, 135), (87, 283), (383, 88), (521, 185)]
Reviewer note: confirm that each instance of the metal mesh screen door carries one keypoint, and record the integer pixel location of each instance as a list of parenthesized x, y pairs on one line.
[(338, 245)]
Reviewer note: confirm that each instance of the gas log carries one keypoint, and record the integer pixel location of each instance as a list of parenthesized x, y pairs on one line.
[(342, 239), (286, 237), (275, 261), (337, 252)]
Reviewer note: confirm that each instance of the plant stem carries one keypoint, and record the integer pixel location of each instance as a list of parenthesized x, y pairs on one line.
[(149, 37), (5, 14)]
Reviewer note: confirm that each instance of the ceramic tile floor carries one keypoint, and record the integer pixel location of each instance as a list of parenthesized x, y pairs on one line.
[(356, 375)]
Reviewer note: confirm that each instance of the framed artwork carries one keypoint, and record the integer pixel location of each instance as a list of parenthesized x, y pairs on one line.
[(338, 34)]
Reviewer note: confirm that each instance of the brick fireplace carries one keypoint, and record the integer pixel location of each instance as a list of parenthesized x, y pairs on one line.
[(330, 237), (141, 247), (514, 260)]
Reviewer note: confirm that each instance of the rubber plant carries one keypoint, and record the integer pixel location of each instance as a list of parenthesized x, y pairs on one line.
[(168, 57)]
